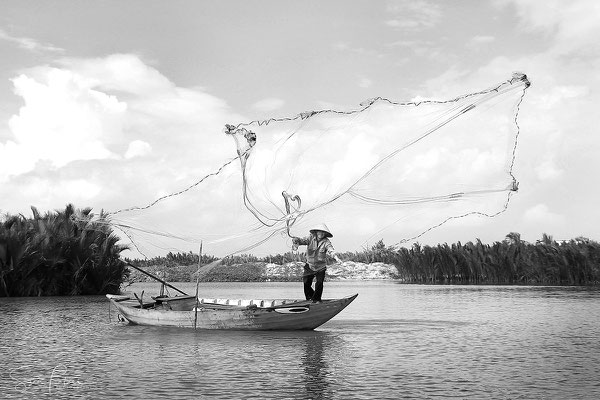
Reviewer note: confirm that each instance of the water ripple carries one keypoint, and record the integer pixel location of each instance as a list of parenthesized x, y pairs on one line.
[(395, 341)]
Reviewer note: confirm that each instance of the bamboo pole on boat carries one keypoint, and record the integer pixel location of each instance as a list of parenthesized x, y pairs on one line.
[(197, 284), (156, 277)]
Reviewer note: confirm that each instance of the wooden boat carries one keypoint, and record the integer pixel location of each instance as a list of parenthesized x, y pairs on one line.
[(234, 314)]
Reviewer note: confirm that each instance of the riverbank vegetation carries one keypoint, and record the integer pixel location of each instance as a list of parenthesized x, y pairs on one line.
[(511, 261), (66, 252), (73, 252)]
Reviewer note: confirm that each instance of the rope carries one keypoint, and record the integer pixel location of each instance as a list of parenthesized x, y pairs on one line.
[(290, 219), (136, 208)]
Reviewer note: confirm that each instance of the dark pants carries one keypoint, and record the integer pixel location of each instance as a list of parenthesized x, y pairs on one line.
[(307, 279)]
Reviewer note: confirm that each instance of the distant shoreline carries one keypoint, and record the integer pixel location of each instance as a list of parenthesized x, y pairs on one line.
[(265, 272), (292, 272)]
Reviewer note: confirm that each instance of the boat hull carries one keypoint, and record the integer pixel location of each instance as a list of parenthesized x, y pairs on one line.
[(292, 315)]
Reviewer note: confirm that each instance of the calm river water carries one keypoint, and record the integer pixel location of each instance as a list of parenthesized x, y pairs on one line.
[(394, 342)]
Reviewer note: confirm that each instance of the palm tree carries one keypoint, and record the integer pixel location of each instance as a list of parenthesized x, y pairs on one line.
[(58, 253)]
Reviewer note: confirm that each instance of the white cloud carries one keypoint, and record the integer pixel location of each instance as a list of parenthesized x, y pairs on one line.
[(62, 120), (270, 104), (477, 41), (541, 214), (557, 96), (365, 83), (547, 171), (87, 107), (28, 43), (91, 121), (356, 50), (413, 15), (120, 72), (138, 148), (79, 189), (14, 160), (411, 44), (573, 25), (44, 191)]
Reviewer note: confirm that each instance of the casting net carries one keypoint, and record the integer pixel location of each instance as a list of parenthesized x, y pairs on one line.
[(386, 169)]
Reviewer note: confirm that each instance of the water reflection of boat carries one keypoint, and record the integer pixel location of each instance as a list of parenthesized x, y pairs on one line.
[(190, 312)]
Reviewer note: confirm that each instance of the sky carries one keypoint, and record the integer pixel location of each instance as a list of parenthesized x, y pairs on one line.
[(114, 104)]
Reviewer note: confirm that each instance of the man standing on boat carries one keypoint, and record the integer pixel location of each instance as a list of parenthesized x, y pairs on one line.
[(318, 247)]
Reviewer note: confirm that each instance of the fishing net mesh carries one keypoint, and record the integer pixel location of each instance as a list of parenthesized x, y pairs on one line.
[(384, 169)]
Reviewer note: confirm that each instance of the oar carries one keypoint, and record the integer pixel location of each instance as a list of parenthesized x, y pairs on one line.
[(156, 277)]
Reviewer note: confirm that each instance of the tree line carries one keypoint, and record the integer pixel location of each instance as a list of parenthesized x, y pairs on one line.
[(74, 252), (66, 252), (509, 262)]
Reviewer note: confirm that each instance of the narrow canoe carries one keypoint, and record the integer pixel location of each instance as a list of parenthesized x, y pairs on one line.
[(181, 311)]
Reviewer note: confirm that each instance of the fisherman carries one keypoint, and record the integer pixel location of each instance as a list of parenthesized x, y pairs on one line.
[(318, 247)]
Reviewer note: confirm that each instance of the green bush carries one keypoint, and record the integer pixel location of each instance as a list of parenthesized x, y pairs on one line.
[(66, 252)]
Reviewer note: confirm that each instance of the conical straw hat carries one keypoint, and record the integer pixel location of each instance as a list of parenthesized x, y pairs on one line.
[(323, 228)]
